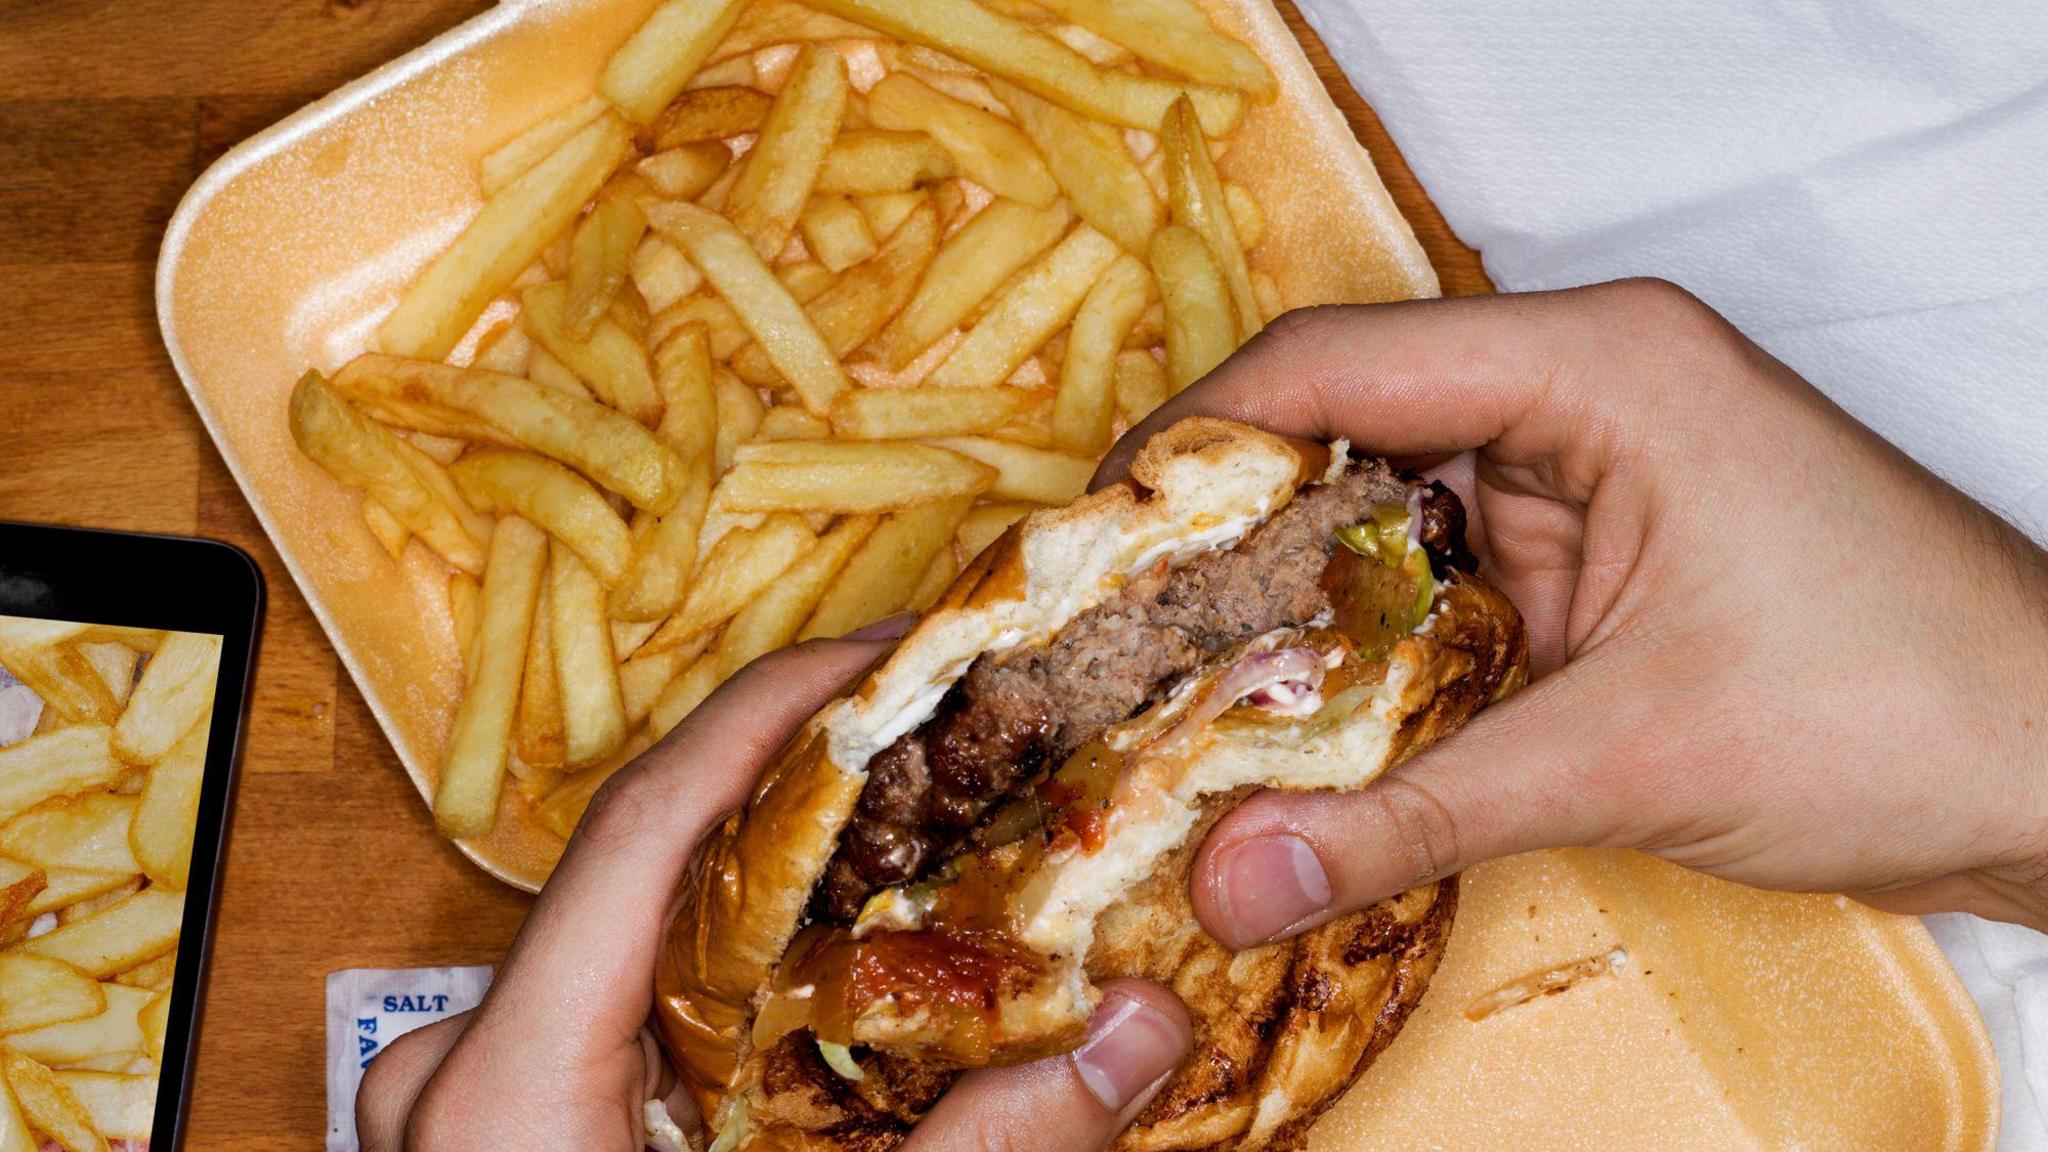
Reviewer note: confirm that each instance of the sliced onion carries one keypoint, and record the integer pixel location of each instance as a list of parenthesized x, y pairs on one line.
[(1252, 675)]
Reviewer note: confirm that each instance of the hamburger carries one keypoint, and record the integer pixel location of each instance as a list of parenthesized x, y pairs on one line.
[(937, 870)]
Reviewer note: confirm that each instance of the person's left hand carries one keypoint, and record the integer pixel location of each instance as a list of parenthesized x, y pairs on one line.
[(557, 1055)]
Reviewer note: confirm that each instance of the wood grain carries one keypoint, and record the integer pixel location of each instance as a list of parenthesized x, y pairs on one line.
[(108, 110)]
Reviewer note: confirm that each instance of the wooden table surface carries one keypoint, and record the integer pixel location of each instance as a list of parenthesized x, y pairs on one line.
[(108, 110)]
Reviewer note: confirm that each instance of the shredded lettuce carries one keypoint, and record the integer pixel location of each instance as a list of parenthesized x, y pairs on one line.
[(735, 1129), (840, 1057)]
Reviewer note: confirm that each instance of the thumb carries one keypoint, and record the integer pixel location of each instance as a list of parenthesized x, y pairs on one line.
[(1532, 772)]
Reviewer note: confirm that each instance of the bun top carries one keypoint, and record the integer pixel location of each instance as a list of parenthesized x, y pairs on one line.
[(1197, 485)]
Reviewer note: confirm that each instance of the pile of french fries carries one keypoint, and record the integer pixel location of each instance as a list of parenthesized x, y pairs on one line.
[(764, 339), (98, 806)]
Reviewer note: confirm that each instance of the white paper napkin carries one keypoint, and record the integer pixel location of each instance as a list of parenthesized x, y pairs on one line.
[(1861, 185)]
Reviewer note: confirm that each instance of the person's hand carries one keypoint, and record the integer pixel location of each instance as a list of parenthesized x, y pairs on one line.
[(1764, 643), (556, 1056)]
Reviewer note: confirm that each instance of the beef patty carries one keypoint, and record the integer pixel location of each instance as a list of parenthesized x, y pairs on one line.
[(1016, 714)]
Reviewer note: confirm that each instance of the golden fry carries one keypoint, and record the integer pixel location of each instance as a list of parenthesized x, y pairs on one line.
[(1196, 193), (882, 575), (735, 571), (1201, 326), (773, 618), (1175, 35), (168, 815), (600, 256), (919, 413), (538, 740), (551, 496), (506, 236), (1039, 305), (1025, 473), (1087, 395), (836, 232), (611, 361), (1140, 384), (472, 769), (1092, 165), (846, 476), (651, 67), (777, 176), (593, 715), (707, 115), (874, 161), (989, 150)]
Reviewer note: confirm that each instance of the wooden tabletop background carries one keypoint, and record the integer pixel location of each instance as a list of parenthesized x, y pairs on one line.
[(108, 110)]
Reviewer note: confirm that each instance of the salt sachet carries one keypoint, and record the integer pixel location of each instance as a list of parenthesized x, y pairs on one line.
[(367, 1009)]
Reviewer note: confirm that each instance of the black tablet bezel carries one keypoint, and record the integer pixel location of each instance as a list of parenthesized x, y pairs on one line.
[(128, 579)]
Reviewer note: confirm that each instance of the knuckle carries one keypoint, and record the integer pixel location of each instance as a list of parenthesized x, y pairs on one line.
[(1425, 833), (1307, 323)]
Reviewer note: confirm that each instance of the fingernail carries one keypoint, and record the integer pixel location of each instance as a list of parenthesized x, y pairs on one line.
[(1268, 884), (887, 628), (1130, 1046)]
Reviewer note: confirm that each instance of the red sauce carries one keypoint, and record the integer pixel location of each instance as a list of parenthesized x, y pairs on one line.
[(962, 977), (1079, 792)]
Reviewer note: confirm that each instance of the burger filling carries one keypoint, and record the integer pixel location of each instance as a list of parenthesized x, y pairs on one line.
[(1022, 752)]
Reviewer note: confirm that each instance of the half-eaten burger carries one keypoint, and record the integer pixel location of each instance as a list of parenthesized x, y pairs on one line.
[(941, 865)]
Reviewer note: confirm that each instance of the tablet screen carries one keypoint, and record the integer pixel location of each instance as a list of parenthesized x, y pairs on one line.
[(103, 743)]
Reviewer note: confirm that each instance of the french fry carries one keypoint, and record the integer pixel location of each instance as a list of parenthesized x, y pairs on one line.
[(663, 274), (44, 655), (506, 236), (64, 762), (1175, 35), (86, 908), (710, 115), (1040, 304), (786, 159), (1092, 165), (611, 361), (1271, 303), (735, 571), (1201, 325), (652, 67), (788, 422), (16, 898), (720, 322), (1140, 385), (663, 556), (36, 992), (740, 413), (62, 887), (882, 575), (1033, 60), (155, 1020), (938, 577), (921, 413), (614, 450), (151, 974), (999, 241), (362, 454), (873, 161), (472, 768), (629, 635), (988, 149), (1198, 200), (600, 255), (114, 1030), (593, 716), (537, 736), (556, 499), (770, 22), (764, 306), (176, 689), (510, 160), (464, 594), (1245, 215), (685, 171), (846, 476), (1087, 395), (119, 1106), (90, 832), (773, 618), (676, 701), (885, 210), (114, 663), (391, 535), (49, 1105), (120, 936), (836, 232), (544, 369), (854, 308), (563, 808), (986, 522), (1025, 473), (642, 678), (165, 819)]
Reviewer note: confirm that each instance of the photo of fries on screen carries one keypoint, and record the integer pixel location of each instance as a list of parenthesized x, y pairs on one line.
[(103, 735), (765, 338)]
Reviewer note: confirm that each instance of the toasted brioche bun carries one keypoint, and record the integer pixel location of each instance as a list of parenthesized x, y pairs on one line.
[(1282, 1029)]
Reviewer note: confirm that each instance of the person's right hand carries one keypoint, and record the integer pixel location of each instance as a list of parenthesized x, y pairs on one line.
[(1765, 644)]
